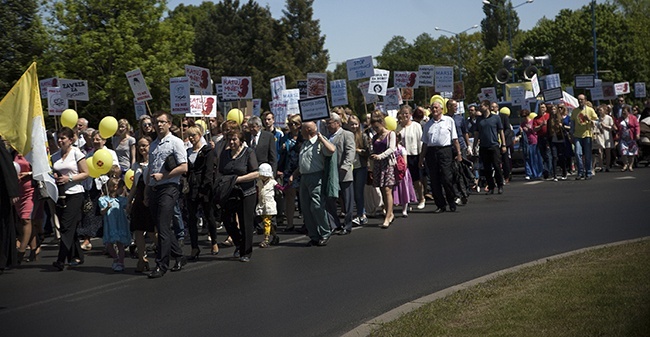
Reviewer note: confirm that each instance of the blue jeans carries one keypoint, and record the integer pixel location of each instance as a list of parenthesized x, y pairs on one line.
[(360, 176), (583, 151)]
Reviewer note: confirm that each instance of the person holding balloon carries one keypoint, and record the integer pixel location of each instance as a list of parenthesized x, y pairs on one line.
[(70, 169)]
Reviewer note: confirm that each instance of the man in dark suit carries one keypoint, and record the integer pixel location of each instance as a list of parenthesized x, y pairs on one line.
[(617, 109), (264, 144), (346, 149)]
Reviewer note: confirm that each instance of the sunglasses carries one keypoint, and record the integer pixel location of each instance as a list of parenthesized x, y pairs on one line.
[(146, 124), (184, 125)]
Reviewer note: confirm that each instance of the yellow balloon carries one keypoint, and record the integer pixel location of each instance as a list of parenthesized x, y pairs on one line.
[(444, 105), (201, 123), (532, 115), (235, 115), (505, 110), (128, 178), (69, 118), (102, 161), (92, 171), (107, 127), (391, 123), (436, 98)]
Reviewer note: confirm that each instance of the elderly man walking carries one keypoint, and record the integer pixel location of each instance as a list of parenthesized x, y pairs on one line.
[(346, 149)]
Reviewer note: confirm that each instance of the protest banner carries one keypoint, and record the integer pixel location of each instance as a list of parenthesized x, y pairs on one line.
[(367, 96), (608, 90), (314, 108), (140, 109), (138, 85), (552, 94), (279, 110), (444, 77), (55, 101), (622, 88), (203, 106), (426, 75), (316, 84), (489, 93), (407, 94), (393, 99), (534, 81), (46, 83), (518, 96), (236, 88), (405, 79), (359, 68), (199, 79), (179, 95), (639, 90), (584, 81), (379, 82), (291, 98), (76, 90), (277, 85), (302, 87), (552, 81), (339, 90), (597, 90), (257, 107)]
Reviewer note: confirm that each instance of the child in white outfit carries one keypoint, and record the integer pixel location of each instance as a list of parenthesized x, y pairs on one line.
[(266, 206)]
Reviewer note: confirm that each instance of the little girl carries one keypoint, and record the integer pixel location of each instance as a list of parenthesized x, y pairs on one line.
[(116, 225), (266, 207), (403, 193)]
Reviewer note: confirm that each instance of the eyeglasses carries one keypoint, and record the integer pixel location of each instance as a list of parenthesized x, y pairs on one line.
[(162, 122), (146, 124)]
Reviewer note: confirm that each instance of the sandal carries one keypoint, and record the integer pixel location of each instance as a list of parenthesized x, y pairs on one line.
[(265, 243), (228, 242)]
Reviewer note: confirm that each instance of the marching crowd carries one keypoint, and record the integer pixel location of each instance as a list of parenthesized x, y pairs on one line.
[(251, 177)]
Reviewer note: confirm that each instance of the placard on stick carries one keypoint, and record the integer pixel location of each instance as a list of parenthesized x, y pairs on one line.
[(314, 108)]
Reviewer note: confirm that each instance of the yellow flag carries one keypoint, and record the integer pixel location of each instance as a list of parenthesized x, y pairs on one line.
[(21, 123)]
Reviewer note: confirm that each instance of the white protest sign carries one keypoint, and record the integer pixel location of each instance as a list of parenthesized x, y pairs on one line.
[(622, 88), (138, 85), (639, 90), (76, 90), (257, 107), (553, 81), (314, 108), (316, 84), (393, 99), (235, 88), (359, 68), (444, 79), (489, 93), (179, 95), (339, 92), (597, 90), (279, 110), (277, 85), (55, 101), (46, 83), (426, 75), (203, 106), (199, 78), (140, 109), (518, 96), (534, 81), (405, 79), (367, 96), (379, 82), (291, 98)]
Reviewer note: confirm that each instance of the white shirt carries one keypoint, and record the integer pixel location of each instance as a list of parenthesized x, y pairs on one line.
[(439, 133), (412, 138)]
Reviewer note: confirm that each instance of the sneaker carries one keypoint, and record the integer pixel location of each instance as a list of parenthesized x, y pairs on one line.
[(564, 177), (554, 178), (119, 267), (527, 178), (356, 221), (363, 220)]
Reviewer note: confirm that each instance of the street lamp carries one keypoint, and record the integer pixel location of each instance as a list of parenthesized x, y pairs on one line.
[(460, 66), (487, 2)]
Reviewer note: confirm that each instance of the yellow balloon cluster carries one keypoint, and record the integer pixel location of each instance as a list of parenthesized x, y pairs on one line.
[(128, 178), (69, 118), (391, 123), (441, 100), (92, 171), (107, 127), (235, 115), (102, 161)]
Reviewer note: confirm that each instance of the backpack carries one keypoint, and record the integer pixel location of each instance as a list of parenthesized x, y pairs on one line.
[(400, 167)]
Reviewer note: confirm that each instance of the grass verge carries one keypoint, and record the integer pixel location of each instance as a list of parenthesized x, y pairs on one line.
[(602, 292)]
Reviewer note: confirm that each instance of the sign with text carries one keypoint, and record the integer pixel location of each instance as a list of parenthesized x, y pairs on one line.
[(552, 81), (302, 87), (518, 96), (199, 78), (55, 101), (584, 81), (76, 90), (203, 106), (236, 88), (489, 93), (339, 90), (140, 109), (277, 85), (608, 90), (46, 83), (138, 85), (315, 108), (552, 94), (534, 82), (367, 97), (639, 90), (291, 98), (179, 95), (359, 68), (444, 79), (597, 90), (393, 99), (379, 82), (279, 110), (405, 79), (622, 88), (257, 107), (316, 84), (426, 75)]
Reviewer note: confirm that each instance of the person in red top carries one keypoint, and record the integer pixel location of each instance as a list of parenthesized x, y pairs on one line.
[(540, 125), (628, 132)]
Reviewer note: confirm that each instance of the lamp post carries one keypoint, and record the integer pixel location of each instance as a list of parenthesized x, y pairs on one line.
[(457, 35)]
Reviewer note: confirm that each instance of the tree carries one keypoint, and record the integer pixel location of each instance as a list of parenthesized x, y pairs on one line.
[(100, 40), (23, 40), (501, 22), (304, 36)]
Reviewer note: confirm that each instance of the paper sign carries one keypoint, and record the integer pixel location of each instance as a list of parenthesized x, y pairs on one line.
[(359, 68), (46, 83), (367, 97), (639, 90), (138, 85), (316, 84), (179, 95), (199, 78), (444, 79), (277, 85), (608, 90), (339, 92), (407, 94), (279, 110), (76, 90), (257, 107), (534, 81), (379, 82), (553, 81), (392, 100), (622, 88), (302, 87), (236, 88), (553, 94), (597, 91), (426, 75), (518, 96), (405, 79), (203, 106), (140, 109), (314, 108), (584, 81), (489, 93), (55, 101), (291, 98)]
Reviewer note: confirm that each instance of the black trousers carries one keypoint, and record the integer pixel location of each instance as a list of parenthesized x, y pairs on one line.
[(438, 161), (69, 218), (208, 216), (162, 203), (347, 191), (491, 158), (244, 209)]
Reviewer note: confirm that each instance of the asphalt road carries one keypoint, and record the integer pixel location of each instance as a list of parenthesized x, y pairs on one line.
[(294, 290)]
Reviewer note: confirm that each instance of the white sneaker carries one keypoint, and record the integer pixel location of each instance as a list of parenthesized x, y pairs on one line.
[(356, 221), (421, 205)]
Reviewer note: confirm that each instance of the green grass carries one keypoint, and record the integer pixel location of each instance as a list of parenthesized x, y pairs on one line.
[(603, 292)]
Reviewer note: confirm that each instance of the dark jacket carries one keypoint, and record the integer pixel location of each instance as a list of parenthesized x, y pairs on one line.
[(212, 167), (266, 150), (196, 173), (223, 187)]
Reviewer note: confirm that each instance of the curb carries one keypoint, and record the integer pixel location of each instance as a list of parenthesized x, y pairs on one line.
[(365, 328)]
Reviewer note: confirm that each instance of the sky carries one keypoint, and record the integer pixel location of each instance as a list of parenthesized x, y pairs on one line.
[(358, 28)]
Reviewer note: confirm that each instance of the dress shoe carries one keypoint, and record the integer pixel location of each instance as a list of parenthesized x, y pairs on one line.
[(439, 210), (215, 249), (87, 246), (180, 263), (344, 232), (421, 205), (156, 273), (323, 242), (500, 190), (194, 255), (58, 265), (244, 259), (452, 208), (490, 191), (236, 253), (289, 229), (275, 241)]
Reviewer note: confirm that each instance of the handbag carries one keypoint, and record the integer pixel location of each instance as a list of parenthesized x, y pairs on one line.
[(170, 163)]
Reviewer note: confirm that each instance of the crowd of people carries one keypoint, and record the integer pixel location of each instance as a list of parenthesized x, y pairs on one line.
[(252, 177)]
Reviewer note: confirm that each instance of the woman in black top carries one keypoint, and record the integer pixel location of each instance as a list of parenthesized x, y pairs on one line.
[(240, 161)]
